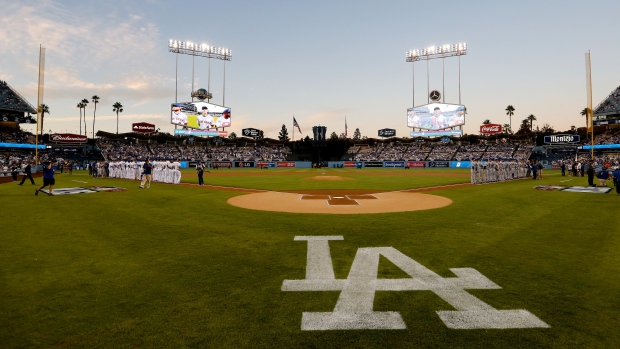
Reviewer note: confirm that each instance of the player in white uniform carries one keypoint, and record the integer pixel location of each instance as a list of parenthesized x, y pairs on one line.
[(176, 172), (205, 121), (178, 117), (224, 120)]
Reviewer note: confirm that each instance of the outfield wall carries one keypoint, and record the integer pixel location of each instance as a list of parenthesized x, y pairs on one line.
[(332, 164)]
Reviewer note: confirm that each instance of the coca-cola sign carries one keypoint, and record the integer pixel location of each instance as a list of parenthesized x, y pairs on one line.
[(67, 138), (490, 129), (143, 127)]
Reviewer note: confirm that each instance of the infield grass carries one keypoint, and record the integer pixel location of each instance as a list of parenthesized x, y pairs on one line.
[(175, 266)]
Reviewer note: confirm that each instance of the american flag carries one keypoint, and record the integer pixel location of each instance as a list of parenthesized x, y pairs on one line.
[(295, 124)]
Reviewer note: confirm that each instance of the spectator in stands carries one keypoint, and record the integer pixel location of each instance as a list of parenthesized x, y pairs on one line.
[(27, 174)]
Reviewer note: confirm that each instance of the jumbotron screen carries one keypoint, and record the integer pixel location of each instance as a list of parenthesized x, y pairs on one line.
[(200, 115), (436, 116)]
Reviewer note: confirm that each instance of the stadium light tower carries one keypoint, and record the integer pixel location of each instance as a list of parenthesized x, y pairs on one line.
[(434, 52), (199, 50)]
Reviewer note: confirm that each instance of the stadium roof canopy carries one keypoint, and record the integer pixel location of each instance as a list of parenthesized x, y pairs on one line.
[(11, 100), (608, 111)]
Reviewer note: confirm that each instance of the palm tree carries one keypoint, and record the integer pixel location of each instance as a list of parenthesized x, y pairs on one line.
[(507, 129), (525, 125), (43, 109), (584, 112), (118, 108), (486, 122), (510, 111), (84, 104), (531, 119), (79, 106), (95, 99)]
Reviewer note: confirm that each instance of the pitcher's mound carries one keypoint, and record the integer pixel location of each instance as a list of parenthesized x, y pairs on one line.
[(340, 203)]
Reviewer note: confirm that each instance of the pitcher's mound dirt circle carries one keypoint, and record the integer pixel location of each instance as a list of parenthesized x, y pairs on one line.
[(395, 201)]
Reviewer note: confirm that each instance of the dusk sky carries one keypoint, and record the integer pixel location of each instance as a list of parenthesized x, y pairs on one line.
[(317, 60)]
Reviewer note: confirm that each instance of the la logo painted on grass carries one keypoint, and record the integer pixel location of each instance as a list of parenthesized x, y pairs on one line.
[(354, 308)]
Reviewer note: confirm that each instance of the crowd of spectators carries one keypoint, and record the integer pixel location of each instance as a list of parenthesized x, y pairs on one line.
[(607, 138), (426, 151), (16, 136), (611, 104), (10, 100), (123, 151), (117, 151)]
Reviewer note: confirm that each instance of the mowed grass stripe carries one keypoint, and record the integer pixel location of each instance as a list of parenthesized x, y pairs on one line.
[(175, 266)]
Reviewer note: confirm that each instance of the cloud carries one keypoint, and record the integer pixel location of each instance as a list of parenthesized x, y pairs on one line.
[(115, 44)]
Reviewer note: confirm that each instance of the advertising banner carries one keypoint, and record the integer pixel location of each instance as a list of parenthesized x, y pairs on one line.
[(221, 164), (490, 129), (436, 133), (250, 132), (349, 164), (142, 127), (244, 164), (22, 145), (263, 164), (561, 139), (416, 163), (460, 164), (394, 164), (436, 116), (67, 138), (200, 115), (285, 164), (439, 164), (204, 133), (373, 164), (387, 132)]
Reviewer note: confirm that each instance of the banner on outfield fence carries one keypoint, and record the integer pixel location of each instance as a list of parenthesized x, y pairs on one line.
[(263, 164), (393, 164), (460, 164), (438, 164), (373, 164), (416, 163), (222, 164), (244, 164), (349, 164), (285, 164)]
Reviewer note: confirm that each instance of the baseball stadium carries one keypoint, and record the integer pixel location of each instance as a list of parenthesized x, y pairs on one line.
[(211, 230)]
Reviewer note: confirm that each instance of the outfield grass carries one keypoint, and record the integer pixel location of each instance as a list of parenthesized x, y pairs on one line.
[(175, 266)]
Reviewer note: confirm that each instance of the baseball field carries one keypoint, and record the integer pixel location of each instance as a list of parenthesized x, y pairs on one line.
[(310, 258)]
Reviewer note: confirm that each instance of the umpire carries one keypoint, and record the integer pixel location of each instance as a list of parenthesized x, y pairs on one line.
[(27, 174)]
